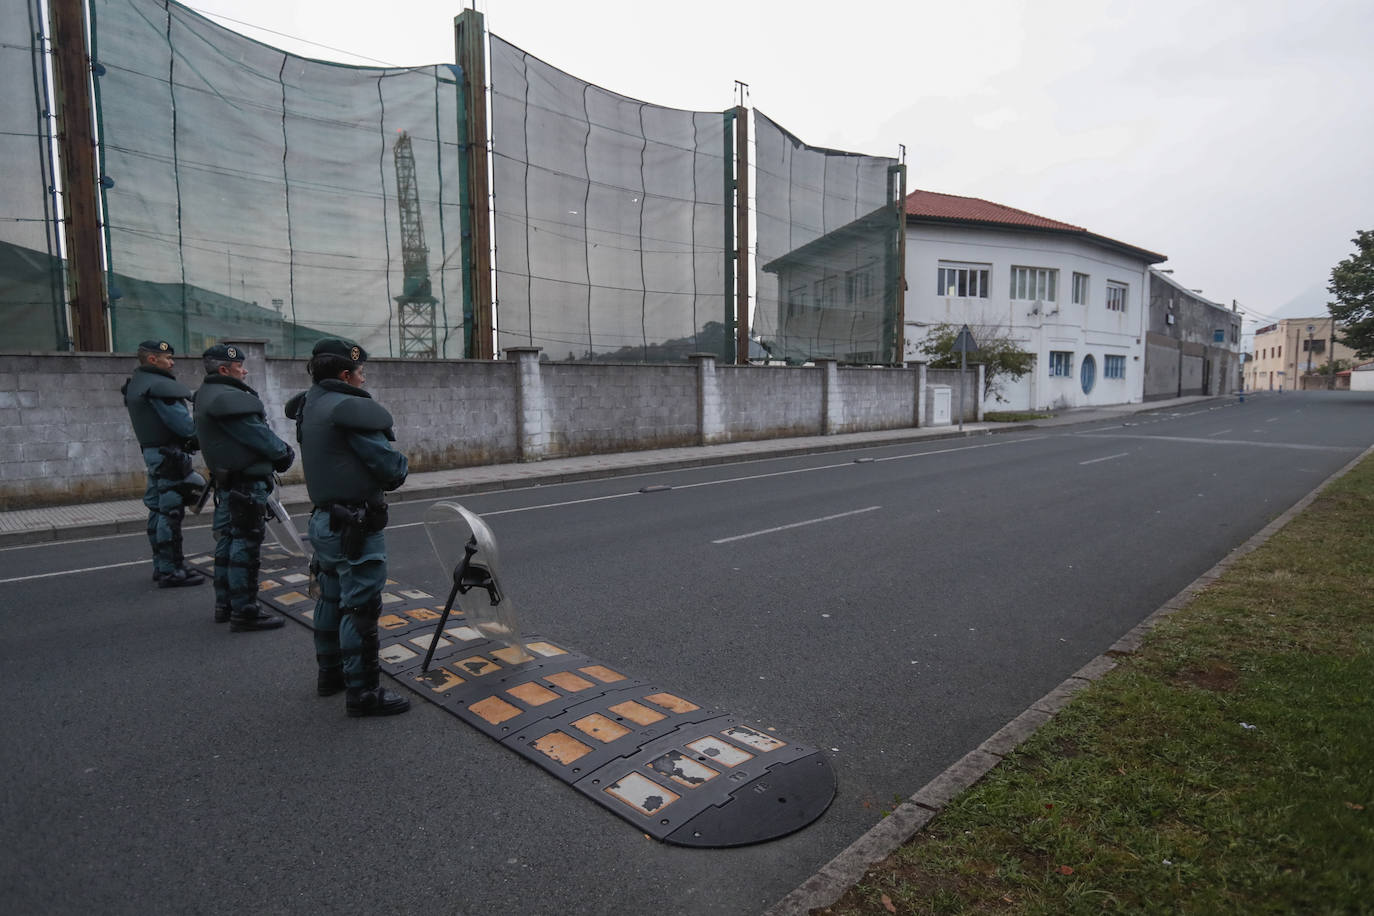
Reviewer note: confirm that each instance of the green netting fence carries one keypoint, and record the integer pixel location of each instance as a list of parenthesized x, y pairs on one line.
[(261, 194), (31, 282)]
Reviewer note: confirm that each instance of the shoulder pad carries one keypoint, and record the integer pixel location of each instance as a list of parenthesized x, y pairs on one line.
[(361, 413), (293, 406), (234, 402), (160, 386)]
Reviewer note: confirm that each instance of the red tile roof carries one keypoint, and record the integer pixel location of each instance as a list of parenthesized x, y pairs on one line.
[(974, 209), (929, 205)]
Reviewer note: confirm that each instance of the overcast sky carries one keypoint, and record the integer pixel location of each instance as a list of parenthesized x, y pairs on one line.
[(1234, 136)]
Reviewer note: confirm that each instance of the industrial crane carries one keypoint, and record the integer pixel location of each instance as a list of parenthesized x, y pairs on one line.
[(415, 305)]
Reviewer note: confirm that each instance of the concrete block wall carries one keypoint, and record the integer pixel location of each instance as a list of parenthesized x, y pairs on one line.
[(872, 399), (596, 407), (760, 402), (449, 413), (65, 435)]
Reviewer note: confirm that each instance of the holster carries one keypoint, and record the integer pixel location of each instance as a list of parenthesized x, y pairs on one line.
[(243, 510), (350, 521), (355, 521)]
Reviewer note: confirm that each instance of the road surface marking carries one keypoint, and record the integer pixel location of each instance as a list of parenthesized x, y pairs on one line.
[(1108, 458), (1220, 432), (811, 521), (1297, 445), (72, 572)]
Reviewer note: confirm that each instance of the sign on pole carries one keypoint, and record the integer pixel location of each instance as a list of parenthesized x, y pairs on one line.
[(965, 343)]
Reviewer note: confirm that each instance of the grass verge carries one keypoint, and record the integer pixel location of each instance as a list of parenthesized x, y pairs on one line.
[(1014, 416), (1226, 767)]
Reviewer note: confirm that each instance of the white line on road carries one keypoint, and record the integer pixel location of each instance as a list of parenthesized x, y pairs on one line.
[(72, 572), (1220, 432), (811, 521), (1108, 458), (1298, 445), (1271, 420), (593, 499)]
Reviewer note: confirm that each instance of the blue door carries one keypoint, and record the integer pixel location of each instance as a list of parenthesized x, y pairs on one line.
[(1087, 375)]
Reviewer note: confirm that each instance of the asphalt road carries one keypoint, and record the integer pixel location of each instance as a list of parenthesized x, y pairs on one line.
[(892, 605)]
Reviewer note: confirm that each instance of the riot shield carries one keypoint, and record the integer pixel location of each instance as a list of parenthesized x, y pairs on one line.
[(282, 530), (466, 550)]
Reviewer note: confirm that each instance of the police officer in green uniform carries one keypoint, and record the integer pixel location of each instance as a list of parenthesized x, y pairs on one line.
[(165, 431), (241, 452), (346, 451)]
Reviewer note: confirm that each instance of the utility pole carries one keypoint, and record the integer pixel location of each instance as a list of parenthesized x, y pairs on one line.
[(1310, 329), (470, 42), (80, 205)]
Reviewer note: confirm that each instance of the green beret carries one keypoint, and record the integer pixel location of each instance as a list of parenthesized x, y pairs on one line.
[(226, 352), (157, 346), (335, 346)]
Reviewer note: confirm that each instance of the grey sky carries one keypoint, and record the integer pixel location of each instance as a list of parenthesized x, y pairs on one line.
[(1235, 137)]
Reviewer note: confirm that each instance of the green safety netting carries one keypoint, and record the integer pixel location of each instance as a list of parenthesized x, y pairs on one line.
[(31, 281), (610, 219), (828, 268), (258, 194)]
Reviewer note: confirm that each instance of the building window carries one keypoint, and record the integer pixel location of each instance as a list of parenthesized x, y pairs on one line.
[(796, 301), (1113, 366), (1313, 345), (1061, 364), (1116, 296), (858, 285), (826, 292), (1219, 335), (1035, 283), (1080, 289), (963, 281)]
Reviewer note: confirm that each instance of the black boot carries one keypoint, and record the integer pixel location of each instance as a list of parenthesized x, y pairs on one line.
[(221, 613), (374, 701), (253, 618), (180, 578), (329, 681)]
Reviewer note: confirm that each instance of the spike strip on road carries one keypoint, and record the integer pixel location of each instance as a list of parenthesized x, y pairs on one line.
[(679, 772)]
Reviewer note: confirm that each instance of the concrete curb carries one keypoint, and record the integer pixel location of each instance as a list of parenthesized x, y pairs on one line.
[(848, 868)]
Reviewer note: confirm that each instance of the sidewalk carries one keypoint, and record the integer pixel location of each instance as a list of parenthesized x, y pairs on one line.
[(128, 516)]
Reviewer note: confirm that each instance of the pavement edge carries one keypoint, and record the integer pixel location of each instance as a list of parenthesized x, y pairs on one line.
[(884, 838)]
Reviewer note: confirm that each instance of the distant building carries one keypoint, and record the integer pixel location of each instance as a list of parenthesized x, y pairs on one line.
[(1293, 353), (1075, 299), (1192, 345)]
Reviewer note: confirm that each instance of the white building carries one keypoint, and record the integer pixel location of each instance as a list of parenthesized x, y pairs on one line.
[(1362, 377), (1076, 300)]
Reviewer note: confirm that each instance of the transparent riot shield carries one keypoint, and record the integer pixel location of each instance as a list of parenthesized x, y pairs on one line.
[(282, 530), (466, 550)]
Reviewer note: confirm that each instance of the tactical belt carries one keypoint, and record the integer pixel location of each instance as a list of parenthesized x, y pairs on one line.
[(354, 522)]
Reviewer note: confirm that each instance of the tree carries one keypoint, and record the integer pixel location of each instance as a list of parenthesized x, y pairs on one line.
[(1002, 358), (1352, 283)]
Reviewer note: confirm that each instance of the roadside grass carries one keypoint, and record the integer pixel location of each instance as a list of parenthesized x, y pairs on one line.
[(1226, 767), (1014, 416)]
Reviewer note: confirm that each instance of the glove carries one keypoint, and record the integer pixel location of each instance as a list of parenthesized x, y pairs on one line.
[(285, 461)]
